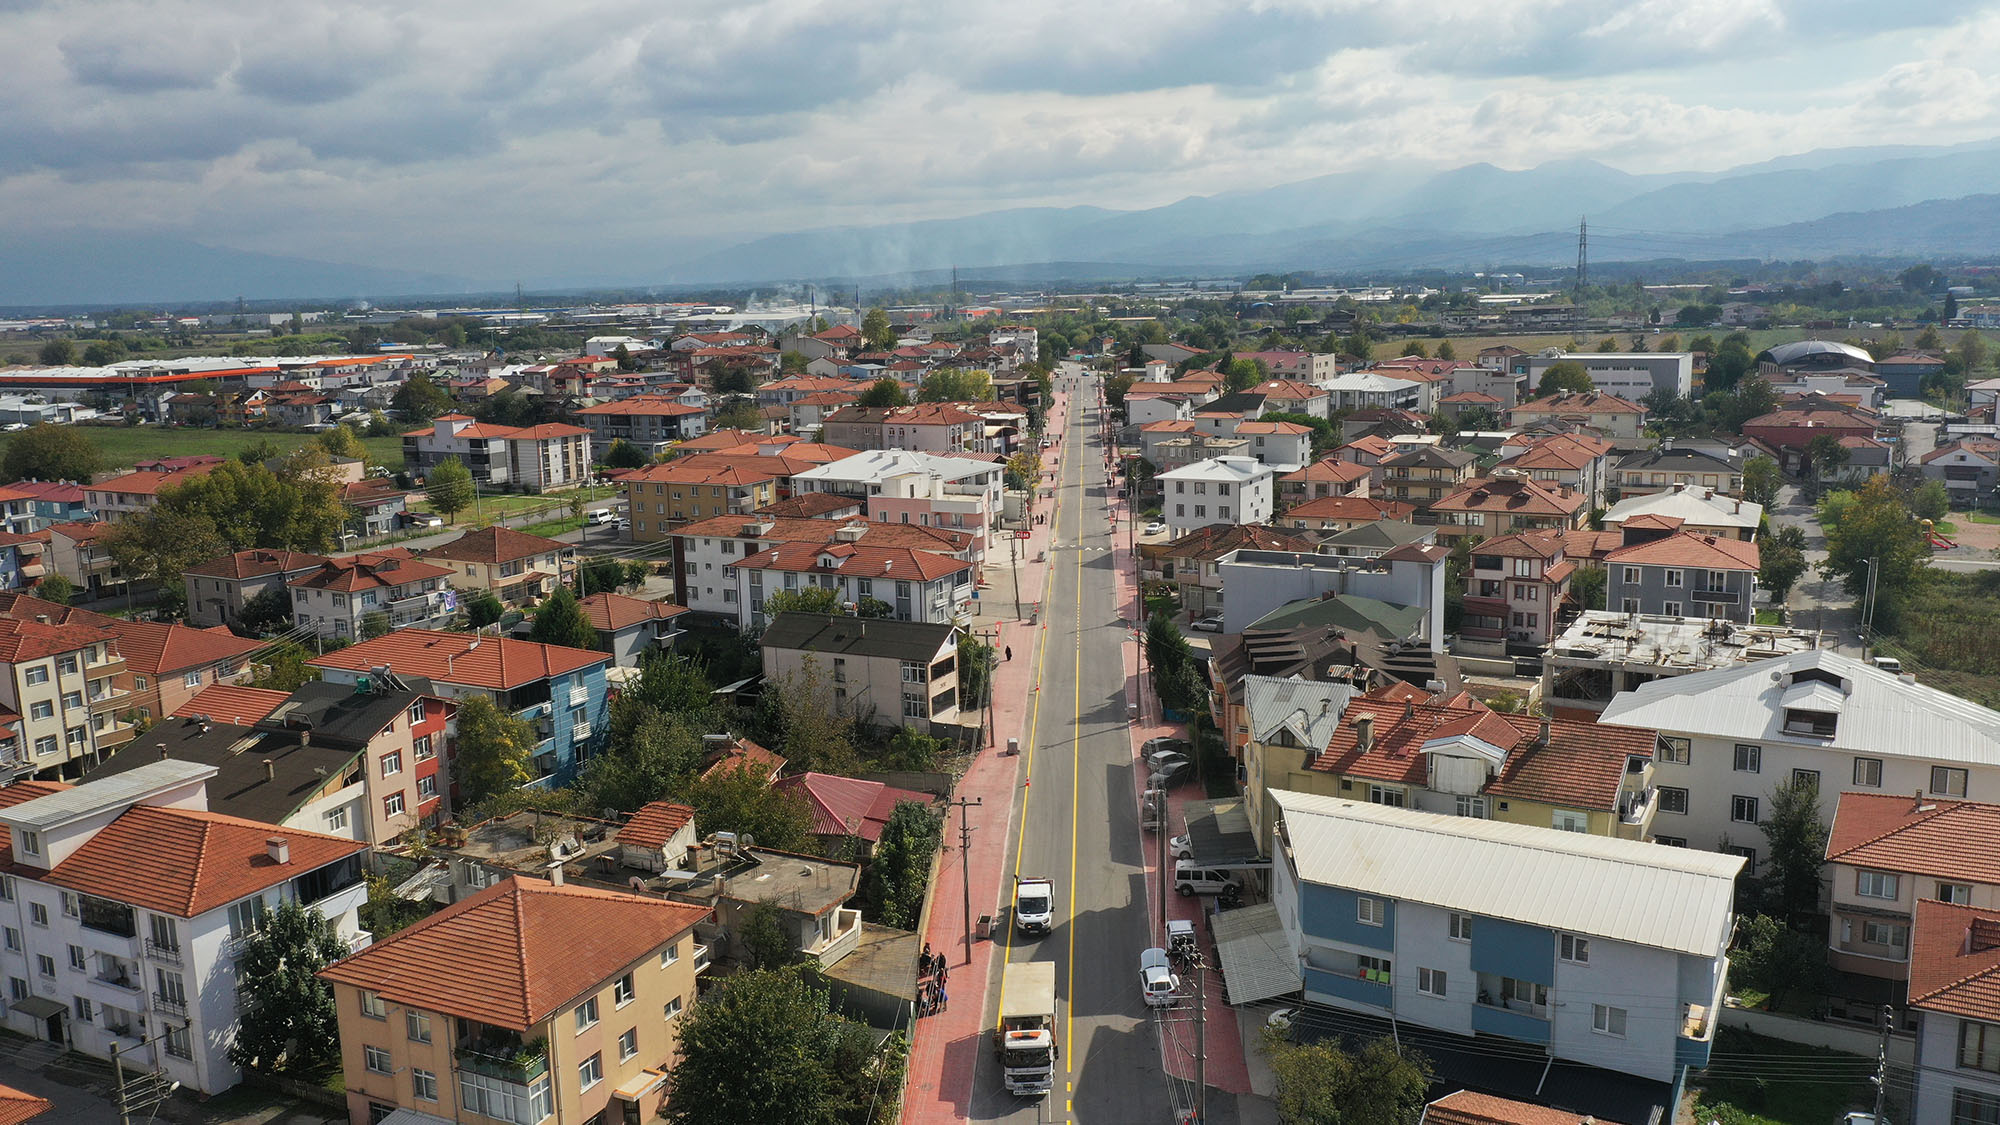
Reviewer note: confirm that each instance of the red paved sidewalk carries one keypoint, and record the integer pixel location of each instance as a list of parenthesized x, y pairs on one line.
[(944, 1051), (1227, 1069)]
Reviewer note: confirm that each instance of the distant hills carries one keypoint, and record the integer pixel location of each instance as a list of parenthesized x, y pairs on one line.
[(1401, 216), (1382, 220)]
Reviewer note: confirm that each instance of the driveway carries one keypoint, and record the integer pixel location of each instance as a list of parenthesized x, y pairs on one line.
[(1816, 602)]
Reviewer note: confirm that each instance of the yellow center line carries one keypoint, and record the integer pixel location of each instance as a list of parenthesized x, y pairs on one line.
[(1034, 727), (1075, 789)]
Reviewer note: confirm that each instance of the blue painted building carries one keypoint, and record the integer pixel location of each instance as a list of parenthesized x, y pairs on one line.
[(1611, 953), (560, 690)]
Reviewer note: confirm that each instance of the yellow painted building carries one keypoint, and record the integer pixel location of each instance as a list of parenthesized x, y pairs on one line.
[(498, 1009)]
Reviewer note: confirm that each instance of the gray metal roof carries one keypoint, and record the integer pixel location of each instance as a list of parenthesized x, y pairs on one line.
[(1219, 833), (857, 636), (1309, 710), (1799, 350), (1621, 890), (105, 793), (1882, 714), (1257, 962)]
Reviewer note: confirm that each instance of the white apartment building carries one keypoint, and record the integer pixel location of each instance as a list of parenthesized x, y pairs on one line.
[(526, 458), (337, 599), (1611, 953), (1629, 375), (1219, 490), (890, 474), (1732, 735), (129, 903)]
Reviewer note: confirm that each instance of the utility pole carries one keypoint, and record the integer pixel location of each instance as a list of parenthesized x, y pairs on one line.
[(965, 862), (1582, 256), (1868, 606), (1200, 1040), (147, 1089), (1882, 1061), (1017, 569)]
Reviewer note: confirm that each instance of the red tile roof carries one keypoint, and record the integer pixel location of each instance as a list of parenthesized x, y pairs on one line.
[(849, 806), (653, 825), (1571, 402), (1516, 495), (1294, 428), (1930, 836), (1469, 1108), (496, 663), (1955, 960), (185, 863), (149, 482), (55, 491), (496, 545), (157, 649), (611, 612), (31, 640), (1469, 398), (720, 468), (1582, 767), (1366, 509), (1686, 549), (744, 754), (643, 405), (1523, 545), (17, 1106), (859, 560), (1332, 469), (1560, 451), (1216, 540), (807, 505), (368, 572), (257, 563), (1588, 544), (232, 704), (517, 952), (1655, 521)]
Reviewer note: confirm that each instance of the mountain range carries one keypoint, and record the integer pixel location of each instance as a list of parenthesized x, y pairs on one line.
[(1899, 201)]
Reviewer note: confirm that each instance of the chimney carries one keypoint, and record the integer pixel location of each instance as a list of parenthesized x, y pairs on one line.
[(555, 874), (1545, 731), (305, 739), (280, 849), (1364, 732), (270, 770)]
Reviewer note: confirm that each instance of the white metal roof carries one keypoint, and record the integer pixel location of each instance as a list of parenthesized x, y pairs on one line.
[(1309, 710), (1257, 962), (1690, 506), (1229, 469), (1883, 715), (114, 791), (1621, 890)]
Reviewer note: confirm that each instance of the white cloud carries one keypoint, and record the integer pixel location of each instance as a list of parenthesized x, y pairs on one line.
[(504, 137)]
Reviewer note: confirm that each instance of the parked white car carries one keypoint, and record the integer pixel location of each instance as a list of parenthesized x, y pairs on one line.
[(1157, 982)]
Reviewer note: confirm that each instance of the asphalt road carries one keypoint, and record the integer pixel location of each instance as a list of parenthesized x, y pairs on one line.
[(1076, 822)]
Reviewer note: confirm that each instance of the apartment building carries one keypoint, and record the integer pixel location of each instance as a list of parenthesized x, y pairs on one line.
[(706, 552), (1220, 490), (1683, 575), (515, 566), (337, 599), (1954, 974), (1424, 474), (493, 1009), (649, 422), (135, 492), (1503, 504), (1730, 736), (166, 663), (917, 585), (1328, 476), (76, 551), (1514, 589), (217, 589), (514, 458), (1194, 561), (1659, 469), (930, 427), (1579, 462), (896, 481), (60, 684), (1702, 511), (1285, 446), (1630, 375), (1602, 653), (129, 903), (1606, 952), (660, 498), (560, 690), (884, 673), (1342, 513), (1607, 414)]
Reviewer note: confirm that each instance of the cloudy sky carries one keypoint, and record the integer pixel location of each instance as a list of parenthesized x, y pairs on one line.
[(504, 139)]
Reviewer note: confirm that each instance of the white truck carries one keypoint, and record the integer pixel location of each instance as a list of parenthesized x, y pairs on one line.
[(1026, 1037), (1034, 905)]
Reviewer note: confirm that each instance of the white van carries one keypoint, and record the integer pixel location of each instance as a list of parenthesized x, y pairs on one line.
[(1190, 879)]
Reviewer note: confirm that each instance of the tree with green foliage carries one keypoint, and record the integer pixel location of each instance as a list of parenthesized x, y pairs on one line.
[(283, 668), (1761, 479), (1930, 500), (260, 451), (1564, 375), (806, 599), (1416, 348), (1446, 351), (913, 750), (898, 872), (623, 454), (1728, 364), (1782, 559), (955, 384), (1324, 435), (420, 400), (818, 733), (1873, 523), (1823, 456), (1115, 387), (884, 392), (286, 1017), (379, 425), (1320, 1084), (1796, 861), (55, 588), (1587, 586), (48, 452), (560, 621), (103, 353), (741, 414), (483, 608), (495, 750), (342, 442), (741, 799), (877, 334), (58, 353), (374, 625), (976, 661), (655, 760), (1779, 961), (765, 944), (450, 487), (1971, 350)]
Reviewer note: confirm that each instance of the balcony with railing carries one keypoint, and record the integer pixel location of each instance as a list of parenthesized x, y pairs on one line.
[(579, 694), (500, 1053), (170, 1004), (701, 959), (1514, 1009), (108, 700), (164, 954), (118, 973), (841, 940), (579, 732)]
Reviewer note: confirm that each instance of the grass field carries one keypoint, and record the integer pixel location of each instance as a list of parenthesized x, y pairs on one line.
[(509, 505), (1805, 1085), (125, 446)]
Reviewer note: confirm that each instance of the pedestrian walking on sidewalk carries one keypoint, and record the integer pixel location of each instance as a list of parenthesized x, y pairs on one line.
[(943, 1001), (1010, 652)]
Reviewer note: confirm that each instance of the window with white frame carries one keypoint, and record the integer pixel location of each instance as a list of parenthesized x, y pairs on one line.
[(1575, 949), (1368, 911), (1431, 982), (1607, 1020), (1749, 758), (1868, 772), (1876, 884), (586, 1014), (376, 1059), (418, 1026), (423, 1084), (1947, 782), (590, 1072), (628, 1044), (1461, 927)]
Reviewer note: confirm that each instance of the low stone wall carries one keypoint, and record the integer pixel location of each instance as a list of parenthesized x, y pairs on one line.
[(1851, 1038)]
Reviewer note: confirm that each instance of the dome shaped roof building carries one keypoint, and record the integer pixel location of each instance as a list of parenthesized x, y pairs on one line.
[(1818, 353)]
